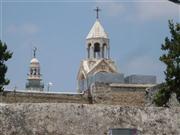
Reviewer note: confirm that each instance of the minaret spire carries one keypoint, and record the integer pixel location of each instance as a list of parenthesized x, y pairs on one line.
[(34, 76), (34, 52), (97, 12)]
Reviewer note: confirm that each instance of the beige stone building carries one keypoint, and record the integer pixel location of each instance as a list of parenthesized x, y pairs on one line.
[(98, 54), (99, 67)]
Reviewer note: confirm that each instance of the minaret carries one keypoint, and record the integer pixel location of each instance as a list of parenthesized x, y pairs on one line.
[(34, 77), (98, 55)]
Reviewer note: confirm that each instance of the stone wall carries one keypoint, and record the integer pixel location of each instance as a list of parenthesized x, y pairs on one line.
[(35, 97), (119, 94), (99, 93), (83, 119)]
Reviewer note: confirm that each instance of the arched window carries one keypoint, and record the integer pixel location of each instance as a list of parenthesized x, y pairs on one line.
[(89, 45), (31, 71), (89, 50), (96, 50), (104, 45), (35, 71), (39, 71), (96, 47)]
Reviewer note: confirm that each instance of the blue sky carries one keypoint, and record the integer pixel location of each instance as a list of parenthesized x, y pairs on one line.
[(58, 29)]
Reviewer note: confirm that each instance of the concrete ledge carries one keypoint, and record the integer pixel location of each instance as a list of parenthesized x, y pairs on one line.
[(44, 92), (132, 85)]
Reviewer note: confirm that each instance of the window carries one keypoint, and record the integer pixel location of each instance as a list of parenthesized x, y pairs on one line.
[(96, 47)]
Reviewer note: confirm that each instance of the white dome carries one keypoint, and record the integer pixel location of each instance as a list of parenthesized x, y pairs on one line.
[(34, 60)]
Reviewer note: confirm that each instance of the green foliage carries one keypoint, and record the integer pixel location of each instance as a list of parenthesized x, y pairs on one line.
[(172, 60), (162, 97), (4, 56)]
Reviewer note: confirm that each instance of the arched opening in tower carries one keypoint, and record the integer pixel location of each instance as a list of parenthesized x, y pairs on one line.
[(89, 50), (96, 50)]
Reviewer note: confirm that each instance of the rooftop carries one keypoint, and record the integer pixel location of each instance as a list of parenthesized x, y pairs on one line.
[(97, 31)]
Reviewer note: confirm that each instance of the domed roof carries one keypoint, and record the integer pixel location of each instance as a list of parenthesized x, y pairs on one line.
[(97, 31), (34, 60)]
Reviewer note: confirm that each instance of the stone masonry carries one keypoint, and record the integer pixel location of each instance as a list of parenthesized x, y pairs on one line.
[(83, 119), (100, 93)]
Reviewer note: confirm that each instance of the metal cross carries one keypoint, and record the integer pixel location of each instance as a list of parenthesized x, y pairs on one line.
[(34, 52), (97, 12)]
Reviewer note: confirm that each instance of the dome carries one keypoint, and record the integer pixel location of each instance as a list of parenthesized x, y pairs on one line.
[(34, 60)]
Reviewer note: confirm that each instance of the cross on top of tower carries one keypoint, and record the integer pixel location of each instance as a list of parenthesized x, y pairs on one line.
[(97, 12), (34, 52)]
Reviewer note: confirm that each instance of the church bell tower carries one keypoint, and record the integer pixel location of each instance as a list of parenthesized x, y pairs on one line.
[(98, 55), (97, 41), (34, 77)]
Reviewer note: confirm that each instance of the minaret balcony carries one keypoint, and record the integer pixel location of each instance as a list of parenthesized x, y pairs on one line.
[(37, 77)]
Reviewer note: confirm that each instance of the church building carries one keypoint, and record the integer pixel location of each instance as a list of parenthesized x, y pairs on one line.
[(98, 66)]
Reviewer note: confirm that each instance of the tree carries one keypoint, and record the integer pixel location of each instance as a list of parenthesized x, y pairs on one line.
[(172, 60), (175, 1), (4, 56)]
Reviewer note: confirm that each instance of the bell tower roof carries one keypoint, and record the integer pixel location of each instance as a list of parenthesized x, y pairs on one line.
[(97, 31)]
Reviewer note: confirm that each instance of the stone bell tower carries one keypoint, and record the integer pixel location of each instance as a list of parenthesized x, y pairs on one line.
[(34, 77), (97, 42), (98, 55)]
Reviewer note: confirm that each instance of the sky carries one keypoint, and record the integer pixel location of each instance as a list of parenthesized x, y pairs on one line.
[(136, 29)]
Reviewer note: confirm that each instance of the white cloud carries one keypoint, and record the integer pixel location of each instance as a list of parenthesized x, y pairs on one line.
[(140, 10), (156, 10), (30, 28), (24, 29)]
